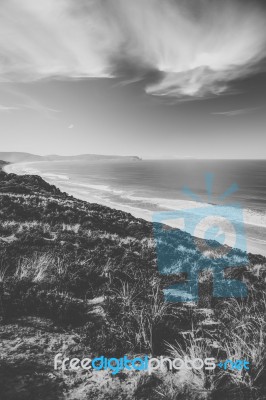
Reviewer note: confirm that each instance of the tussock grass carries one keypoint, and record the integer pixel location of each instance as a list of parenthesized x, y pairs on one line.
[(126, 294), (36, 269), (259, 270), (3, 273), (73, 228), (244, 335), (194, 347), (149, 317)]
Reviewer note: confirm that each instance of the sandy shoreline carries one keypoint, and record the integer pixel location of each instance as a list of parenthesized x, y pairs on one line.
[(84, 194), (255, 245)]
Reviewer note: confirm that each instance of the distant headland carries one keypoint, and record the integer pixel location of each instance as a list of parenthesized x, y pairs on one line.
[(17, 157)]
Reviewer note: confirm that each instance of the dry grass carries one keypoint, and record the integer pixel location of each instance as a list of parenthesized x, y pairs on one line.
[(245, 335), (126, 294), (36, 268), (147, 318), (73, 228), (3, 273), (194, 348)]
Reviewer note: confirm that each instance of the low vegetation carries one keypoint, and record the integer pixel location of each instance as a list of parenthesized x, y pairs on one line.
[(91, 272)]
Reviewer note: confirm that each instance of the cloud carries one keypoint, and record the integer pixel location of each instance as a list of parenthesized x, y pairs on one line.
[(191, 49), (8, 108), (24, 101), (235, 113)]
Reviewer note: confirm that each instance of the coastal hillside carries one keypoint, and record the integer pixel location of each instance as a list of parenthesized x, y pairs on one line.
[(82, 279), (2, 164)]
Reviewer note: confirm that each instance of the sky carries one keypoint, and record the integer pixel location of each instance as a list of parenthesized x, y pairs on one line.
[(153, 78)]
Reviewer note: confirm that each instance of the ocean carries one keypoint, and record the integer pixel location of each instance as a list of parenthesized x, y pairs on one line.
[(146, 187)]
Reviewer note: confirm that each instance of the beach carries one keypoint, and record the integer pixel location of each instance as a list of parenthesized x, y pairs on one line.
[(147, 188)]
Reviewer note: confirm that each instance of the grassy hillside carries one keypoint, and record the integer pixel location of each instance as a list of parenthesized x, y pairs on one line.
[(84, 278), (2, 164)]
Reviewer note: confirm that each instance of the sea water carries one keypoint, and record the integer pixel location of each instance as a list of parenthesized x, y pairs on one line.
[(143, 187)]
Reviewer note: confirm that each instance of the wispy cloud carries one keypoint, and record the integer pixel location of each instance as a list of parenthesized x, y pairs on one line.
[(196, 47), (21, 101), (234, 113), (7, 108)]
